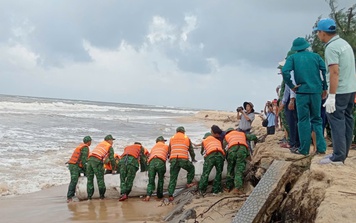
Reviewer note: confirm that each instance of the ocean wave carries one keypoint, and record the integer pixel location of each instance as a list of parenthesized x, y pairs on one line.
[(16, 107)]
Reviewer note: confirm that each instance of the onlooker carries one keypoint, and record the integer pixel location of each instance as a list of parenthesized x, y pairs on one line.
[(157, 165), (129, 165), (77, 164), (246, 117), (180, 147), (340, 61), (270, 116), (214, 156), (96, 166), (275, 111), (290, 111), (309, 86)]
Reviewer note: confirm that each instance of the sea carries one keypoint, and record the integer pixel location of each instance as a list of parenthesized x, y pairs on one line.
[(38, 135)]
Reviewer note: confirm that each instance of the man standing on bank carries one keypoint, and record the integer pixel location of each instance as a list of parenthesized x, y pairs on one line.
[(96, 166), (341, 75), (77, 164), (310, 87), (179, 149), (157, 165)]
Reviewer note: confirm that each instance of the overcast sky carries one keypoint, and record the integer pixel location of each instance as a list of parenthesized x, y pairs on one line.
[(197, 54)]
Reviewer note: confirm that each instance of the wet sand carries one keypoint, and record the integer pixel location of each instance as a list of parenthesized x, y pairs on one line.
[(50, 205)]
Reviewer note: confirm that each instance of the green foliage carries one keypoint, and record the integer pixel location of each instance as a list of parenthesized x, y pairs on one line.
[(346, 27)]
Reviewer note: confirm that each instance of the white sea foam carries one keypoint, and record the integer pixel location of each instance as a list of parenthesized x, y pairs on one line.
[(37, 136)]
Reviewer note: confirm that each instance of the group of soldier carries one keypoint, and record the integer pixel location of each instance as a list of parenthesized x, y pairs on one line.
[(217, 145)]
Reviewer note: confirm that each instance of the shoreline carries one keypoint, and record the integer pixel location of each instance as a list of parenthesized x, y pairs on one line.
[(333, 186)]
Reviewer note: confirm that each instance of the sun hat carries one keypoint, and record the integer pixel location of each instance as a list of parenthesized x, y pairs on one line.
[(326, 25), (180, 129), (299, 44), (160, 138), (86, 139), (250, 103), (109, 137)]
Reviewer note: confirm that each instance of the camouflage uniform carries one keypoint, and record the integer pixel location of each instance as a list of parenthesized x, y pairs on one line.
[(75, 171), (215, 159), (96, 166), (128, 167), (176, 164), (236, 164), (156, 166)]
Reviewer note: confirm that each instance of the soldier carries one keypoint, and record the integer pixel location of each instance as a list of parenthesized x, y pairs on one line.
[(77, 164), (157, 165), (128, 167), (179, 147), (96, 165), (236, 155), (214, 156)]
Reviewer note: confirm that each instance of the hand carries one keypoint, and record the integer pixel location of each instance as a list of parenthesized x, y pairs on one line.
[(296, 87), (330, 103), (291, 105), (324, 95)]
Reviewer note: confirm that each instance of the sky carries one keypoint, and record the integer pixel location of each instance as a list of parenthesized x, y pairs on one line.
[(204, 54)]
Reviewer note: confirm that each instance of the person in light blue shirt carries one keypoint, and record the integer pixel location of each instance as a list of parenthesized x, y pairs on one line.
[(341, 76), (270, 116)]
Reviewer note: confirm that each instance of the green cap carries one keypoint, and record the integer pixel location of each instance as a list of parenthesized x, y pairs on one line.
[(109, 137), (207, 135), (229, 130), (160, 138), (86, 139), (180, 129)]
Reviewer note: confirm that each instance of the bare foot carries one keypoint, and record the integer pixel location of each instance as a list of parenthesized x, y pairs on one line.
[(147, 198)]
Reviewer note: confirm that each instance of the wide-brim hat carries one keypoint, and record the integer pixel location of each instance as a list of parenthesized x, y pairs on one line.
[(299, 44), (250, 103)]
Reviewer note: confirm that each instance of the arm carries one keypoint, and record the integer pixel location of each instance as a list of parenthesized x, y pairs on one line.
[(287, 68), (112, 158), (323, 71), (202, 149), (143, 160), (84, 157), (334, 78), (246, 116), (238, 116), (191, 151)]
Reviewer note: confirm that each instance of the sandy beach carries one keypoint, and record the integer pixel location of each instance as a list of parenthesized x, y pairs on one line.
[(333, 186)]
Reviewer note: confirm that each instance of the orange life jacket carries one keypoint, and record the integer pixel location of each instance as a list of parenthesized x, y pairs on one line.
[(212, 144), (107, 165), (146, 151), (75, 159), (101, 150), (179, 146), (133, 150), (236, 138), (160, 150), (355, 99)]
